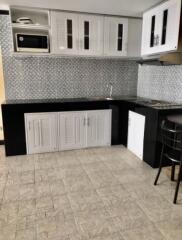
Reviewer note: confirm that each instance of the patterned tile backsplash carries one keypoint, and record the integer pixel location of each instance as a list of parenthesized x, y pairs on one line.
[(160, 82), (58, 77)]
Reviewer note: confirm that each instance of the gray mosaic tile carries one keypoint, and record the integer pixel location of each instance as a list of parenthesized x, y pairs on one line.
[(160, 82)]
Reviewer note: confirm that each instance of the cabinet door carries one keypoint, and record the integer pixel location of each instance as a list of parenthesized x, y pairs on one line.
[(90, 35), (151, 31), (169, 25), (98, 128), (64, 32), (41, 132), (161, 28), (136, 128), (72, 130), (115, 36)]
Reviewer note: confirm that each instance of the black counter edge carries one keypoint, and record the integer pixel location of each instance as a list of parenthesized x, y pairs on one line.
[(1, 142), (4, 12)]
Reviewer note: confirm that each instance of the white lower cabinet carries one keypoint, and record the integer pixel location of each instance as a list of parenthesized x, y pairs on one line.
[(98, 128), (136, 129), (71, 130), (41, 132), (48, 132)]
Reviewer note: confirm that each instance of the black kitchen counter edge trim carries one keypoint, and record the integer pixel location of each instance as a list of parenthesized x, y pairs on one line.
[(129, 99), (4, 12)]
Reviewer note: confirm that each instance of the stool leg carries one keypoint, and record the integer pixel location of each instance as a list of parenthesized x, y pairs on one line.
[(172, 171), (178, 182), (160, 166)]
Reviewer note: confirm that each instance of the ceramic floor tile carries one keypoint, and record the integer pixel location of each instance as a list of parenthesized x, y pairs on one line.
[(77, 183), (114, 194), (171, 228), (146, 233), (91, 194), (62, 203), (84, 200)]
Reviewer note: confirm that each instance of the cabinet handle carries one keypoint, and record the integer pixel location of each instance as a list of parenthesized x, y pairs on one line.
[(40, 133), (156, 40), (88, 122), (84, 121), (29, 126)]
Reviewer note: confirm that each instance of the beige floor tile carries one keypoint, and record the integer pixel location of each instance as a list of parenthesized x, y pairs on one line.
[(103, 179), (114, 236), (27, 177), (26, 234), (95, 227), (114, 194), (27, 191), (41, 175), (44, 203), (129, 214), (171, 228), (77, 183), (42, 189), (91, 194), (57, 188), (146, 233), (81, 201), (62, 203), (95, 166), (11, 193), (27, 207)]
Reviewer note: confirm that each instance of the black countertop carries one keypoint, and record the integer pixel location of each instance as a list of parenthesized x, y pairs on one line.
[(67, 100), (155, 104)]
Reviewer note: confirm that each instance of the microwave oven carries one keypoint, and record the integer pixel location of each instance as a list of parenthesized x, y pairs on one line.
[(31, 43)]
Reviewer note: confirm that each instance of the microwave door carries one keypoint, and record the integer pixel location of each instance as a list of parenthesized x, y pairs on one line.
[(32, 43)]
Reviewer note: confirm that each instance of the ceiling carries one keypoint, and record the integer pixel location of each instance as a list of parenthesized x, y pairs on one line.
[(116, 7)]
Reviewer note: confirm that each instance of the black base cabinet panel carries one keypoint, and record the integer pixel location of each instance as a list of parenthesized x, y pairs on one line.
[(14, 124)]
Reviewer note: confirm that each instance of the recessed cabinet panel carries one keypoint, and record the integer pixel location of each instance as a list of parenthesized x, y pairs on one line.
[(64, 32), (115, 36), (99, 128), (90, 35), (41, 132), (72, 131), (161, 28)]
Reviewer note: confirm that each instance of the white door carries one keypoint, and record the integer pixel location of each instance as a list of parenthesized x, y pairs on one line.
[(64, 27), (170, 13), (72, 130), (41, 132), (98, 128), (90, 35), (161, 28), (115, 36), (136, 129), (151, 31)]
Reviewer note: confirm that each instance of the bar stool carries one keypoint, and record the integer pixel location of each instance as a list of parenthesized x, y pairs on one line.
[(172, 150)]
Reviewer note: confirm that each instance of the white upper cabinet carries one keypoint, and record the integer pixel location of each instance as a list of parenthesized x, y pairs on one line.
[(90, 35), (64, 27), (93, 35), (161, 28), (76, 33), (115, 36)]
